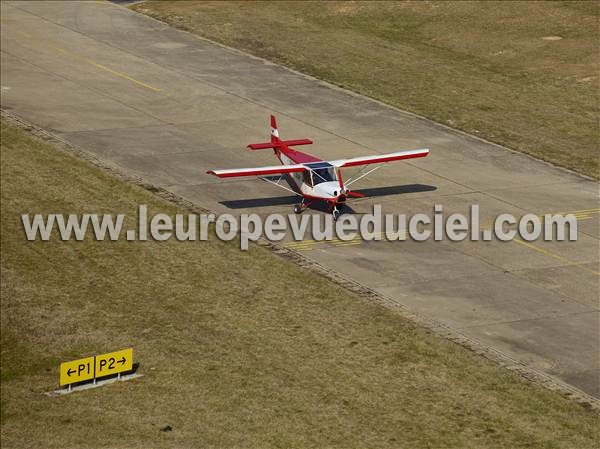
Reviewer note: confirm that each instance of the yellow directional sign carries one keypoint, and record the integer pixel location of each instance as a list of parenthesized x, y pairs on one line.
[(77, 371), (96, 366), (114, 362)]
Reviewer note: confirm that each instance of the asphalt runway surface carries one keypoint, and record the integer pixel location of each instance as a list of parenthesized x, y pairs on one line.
[(167, 106)]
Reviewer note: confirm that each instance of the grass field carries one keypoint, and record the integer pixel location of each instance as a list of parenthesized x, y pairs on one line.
[(237, 349), (522, 74)]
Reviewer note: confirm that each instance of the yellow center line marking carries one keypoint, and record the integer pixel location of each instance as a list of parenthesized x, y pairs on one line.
[(307, 245), (575, 214), (597, 210), (123, 75), (303, 245), (555, 256), (582, 212), (90, 62), (103, 67), (304, 242), (22, 33)]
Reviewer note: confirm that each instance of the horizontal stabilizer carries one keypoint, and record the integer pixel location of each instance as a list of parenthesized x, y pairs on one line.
[(280, 143)]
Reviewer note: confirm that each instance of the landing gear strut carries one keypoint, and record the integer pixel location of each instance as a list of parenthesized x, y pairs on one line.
[(299, 208), (336, 213)]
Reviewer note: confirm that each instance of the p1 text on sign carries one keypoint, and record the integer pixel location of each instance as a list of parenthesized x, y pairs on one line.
[(76, 371)]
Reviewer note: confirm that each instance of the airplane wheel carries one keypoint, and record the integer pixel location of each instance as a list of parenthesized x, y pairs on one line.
[(297, 209), (336, 214)]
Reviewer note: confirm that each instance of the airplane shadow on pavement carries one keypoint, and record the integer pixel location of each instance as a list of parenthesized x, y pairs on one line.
[(291, 200)]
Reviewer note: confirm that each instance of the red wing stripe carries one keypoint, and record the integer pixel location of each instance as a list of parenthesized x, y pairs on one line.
[(381, 158), (258, 171)]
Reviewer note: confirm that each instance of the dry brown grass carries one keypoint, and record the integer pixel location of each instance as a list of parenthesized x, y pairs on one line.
[(237, 349), (482, 67)]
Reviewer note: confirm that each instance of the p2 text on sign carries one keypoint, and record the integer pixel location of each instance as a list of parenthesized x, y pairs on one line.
[(114, 362)]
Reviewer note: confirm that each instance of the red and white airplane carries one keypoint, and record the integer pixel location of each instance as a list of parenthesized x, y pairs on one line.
[(311, 178)]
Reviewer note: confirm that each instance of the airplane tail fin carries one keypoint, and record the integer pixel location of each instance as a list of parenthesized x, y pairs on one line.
[(276, 142), (274, 131)]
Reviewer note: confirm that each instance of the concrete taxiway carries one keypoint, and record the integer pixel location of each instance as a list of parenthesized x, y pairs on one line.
[(167, 106)]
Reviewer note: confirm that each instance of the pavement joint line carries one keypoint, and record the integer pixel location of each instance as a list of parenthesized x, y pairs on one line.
[(525, 320), (596, 210), (124, 128), (517, 272), (180, 153), (542, 184), (175, 126), (510, 203), (569, 262)]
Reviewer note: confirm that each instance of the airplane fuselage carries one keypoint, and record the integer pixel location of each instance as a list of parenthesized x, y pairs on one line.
[(320, 182)]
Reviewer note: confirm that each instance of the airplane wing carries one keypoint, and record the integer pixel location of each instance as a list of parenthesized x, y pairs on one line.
[(281, 169), (379, 158), (258, 171)]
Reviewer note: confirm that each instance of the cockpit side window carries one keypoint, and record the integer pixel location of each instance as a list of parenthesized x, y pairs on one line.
[(306, 178)]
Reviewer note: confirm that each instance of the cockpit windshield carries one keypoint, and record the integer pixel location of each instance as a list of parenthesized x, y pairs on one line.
[(320, 175)]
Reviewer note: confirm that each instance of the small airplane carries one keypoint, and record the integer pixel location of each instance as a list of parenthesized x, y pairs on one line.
[(311, 178)]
